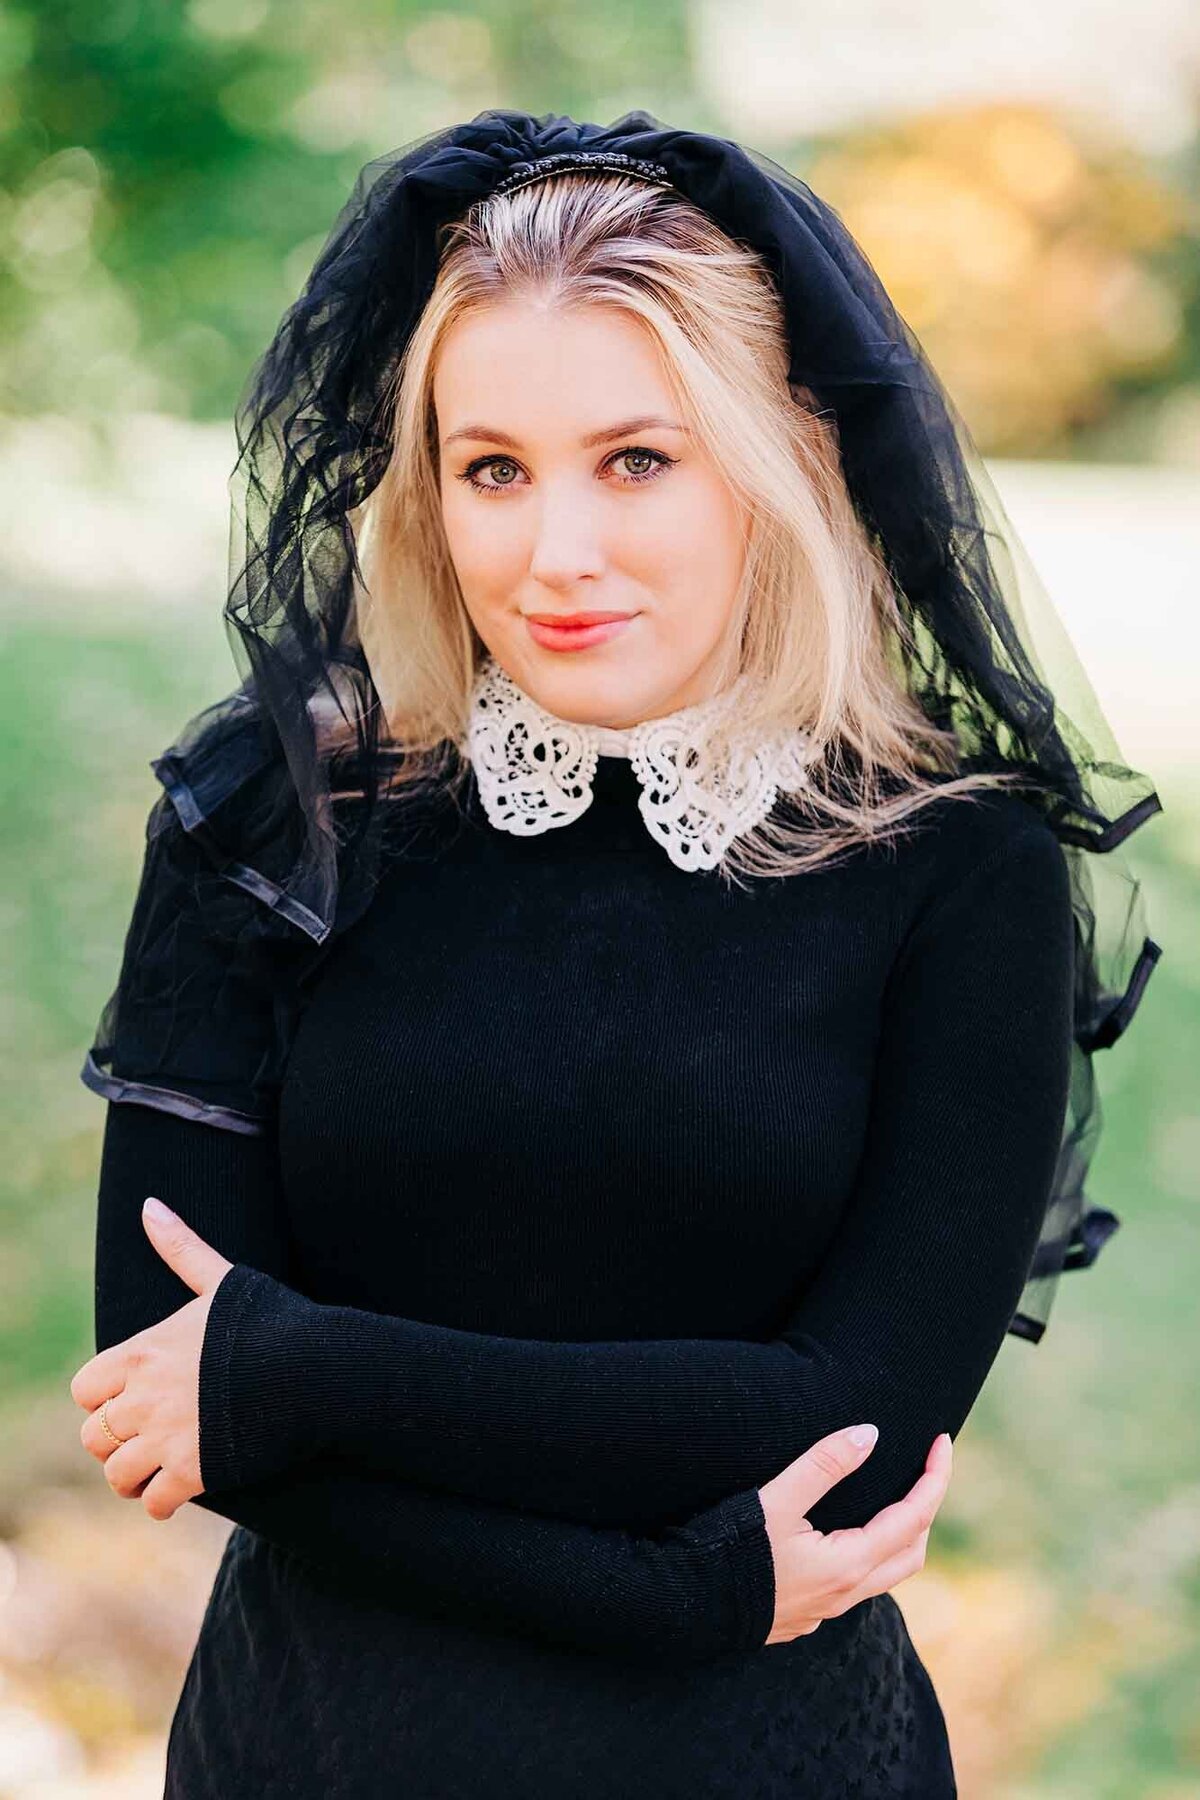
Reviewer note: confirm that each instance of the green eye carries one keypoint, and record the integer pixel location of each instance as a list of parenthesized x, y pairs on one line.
[(659, 463)]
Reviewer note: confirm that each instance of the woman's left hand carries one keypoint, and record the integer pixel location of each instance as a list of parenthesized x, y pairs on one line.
[(152, 1381)]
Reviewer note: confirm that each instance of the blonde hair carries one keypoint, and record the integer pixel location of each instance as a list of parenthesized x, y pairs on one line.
[(815, 624)]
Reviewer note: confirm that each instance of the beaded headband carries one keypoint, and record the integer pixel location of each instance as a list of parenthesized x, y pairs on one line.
[(613, 162)]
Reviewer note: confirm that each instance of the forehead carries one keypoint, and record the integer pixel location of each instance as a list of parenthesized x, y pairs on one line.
[(540, 370)]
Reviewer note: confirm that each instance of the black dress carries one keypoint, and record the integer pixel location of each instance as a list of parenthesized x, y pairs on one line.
[(599, 1191)]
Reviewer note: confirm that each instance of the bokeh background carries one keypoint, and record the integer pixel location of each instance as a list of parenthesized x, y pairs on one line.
[(1026, 177)]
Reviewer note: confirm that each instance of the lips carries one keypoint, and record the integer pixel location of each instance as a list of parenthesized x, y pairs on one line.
[(575, 631), (574, 621)]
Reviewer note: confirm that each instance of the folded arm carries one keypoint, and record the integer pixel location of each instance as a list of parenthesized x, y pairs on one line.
[(684, 1595), (900, 1327)]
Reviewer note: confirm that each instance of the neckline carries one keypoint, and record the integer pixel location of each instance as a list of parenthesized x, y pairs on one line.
[(616, 742), (692, 774)]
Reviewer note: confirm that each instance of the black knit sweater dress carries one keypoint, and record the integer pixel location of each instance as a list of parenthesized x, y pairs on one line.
[(599, 1190)]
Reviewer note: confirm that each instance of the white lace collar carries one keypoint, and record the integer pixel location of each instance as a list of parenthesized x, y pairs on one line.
[(702, 783)]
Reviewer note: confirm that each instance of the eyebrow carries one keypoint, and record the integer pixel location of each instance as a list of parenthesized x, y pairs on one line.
[(623, 428)]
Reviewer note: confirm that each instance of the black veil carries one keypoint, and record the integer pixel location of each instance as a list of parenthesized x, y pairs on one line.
[(265, 841)]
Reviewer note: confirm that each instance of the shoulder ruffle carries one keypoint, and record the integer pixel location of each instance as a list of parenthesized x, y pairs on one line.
[(217, 947)]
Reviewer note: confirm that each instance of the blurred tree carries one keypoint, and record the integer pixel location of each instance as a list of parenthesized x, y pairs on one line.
[(1042, 269), (168, 171), (170, 168)]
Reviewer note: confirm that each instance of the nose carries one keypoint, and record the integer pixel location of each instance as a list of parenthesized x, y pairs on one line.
[(567, 545)]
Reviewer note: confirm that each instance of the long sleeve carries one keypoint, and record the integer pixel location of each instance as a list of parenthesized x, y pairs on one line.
[(685, 1595), (900, 1326)]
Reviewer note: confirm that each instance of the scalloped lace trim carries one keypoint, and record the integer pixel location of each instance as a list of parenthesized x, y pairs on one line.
[(702, 782)]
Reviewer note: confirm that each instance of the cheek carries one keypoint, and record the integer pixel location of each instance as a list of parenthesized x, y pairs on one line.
[(697, 546), (699, 523), (486, 556)]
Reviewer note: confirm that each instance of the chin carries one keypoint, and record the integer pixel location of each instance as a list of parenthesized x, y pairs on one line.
[(592, 695), (583, 685)]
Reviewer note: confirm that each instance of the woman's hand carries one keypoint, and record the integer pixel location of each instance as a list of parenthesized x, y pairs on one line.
[(819, 1574), (152, 1382)]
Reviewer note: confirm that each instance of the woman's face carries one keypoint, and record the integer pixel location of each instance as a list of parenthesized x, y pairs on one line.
[(591, 498)]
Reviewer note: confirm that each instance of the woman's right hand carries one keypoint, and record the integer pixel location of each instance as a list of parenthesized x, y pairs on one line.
[(820, 1574)]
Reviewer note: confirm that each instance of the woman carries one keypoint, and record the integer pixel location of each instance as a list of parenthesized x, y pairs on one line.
[(553, 1202)]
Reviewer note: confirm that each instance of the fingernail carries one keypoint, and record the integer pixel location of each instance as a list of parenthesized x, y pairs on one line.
[(863, 1436), (156, 1209)]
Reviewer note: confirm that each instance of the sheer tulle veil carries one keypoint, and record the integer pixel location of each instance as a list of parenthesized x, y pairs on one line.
[(252, 868)]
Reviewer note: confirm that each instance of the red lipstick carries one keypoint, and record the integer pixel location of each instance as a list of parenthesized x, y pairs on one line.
[(575, 631)]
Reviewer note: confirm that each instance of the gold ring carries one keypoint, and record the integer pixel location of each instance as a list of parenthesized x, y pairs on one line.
[(106, 1427)]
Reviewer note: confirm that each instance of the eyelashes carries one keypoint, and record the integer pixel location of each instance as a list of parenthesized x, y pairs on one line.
[(662, 462)]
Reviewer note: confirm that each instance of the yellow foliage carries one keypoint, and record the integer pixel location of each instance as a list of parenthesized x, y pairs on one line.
[(1018, 254)]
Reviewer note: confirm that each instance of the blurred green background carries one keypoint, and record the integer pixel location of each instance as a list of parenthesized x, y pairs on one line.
[(167, 174)]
